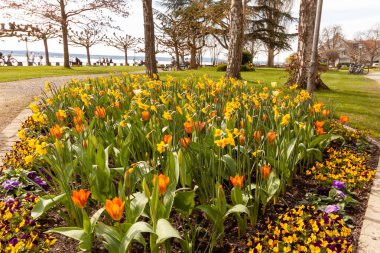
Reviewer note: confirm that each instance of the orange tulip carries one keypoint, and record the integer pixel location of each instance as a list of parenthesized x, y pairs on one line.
[(343, 119), (257, 135), (271, 136), (78, 111), (185, 142), (145, 115), (188, 127), (61, 115), (80, 197), (319, 124), (264, 117), (167, 138), (241, 139), (79, 128), (56, 131), (237, 181), (325, 112), (320, 131), (265, 171), (100, 112), (163, 182), (199, 126), (115, 208)]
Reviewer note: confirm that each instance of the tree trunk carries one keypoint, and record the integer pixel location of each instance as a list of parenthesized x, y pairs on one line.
[(88, 56), (176, 51), (126, 56), (193, 54), (65, 32), (235, 48), (308, 12), (47, 60), (150, 52), (270, 57)]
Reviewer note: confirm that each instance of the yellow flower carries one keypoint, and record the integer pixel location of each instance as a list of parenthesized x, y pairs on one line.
[(34, 107), (28, 159), (41, 149), (21, 134), (161, 147), (167, 116), (218, 132), (179, 110), (285, 119)]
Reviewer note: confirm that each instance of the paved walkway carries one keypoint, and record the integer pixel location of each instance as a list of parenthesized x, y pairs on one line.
[(369, 241), (14, 98)]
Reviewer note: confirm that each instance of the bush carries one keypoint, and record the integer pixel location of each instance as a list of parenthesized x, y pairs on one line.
[(222, 67), (247, 58)]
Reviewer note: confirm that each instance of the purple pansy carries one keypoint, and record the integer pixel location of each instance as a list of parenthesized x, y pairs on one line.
[(338, 184), (341, 194), (9, 184), (331, 208)]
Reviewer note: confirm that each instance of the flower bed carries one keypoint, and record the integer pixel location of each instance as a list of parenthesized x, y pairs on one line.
[(133, 163)]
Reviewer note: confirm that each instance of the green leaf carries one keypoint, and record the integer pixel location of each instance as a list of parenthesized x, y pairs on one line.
[(184, 201), (291, 148), (95, 216), (110, 235), (165, 230), (318, 140), (230, 163), (133, 231), (85, 242), (138, 204), (237, 209), (212, 214), (45, 203)]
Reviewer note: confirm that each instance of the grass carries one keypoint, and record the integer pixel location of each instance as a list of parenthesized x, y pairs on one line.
[(355, 96), (18, 73)]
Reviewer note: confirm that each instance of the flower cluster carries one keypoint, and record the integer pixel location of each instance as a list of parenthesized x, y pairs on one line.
[(18, 231), (346, 166), (303, 229)]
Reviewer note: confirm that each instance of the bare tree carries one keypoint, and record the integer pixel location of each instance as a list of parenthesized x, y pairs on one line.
[(332, 37), (89, 35), (371, 42), (123, 43), (235, 49), (149, 39), (44, 33), (65, 12), (172, 34)]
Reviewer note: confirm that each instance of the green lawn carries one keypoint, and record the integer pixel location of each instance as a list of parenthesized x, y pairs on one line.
[(355, 96), (18, 73)]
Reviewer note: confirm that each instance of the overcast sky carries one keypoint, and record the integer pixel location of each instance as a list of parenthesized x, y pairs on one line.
[(353, 15)]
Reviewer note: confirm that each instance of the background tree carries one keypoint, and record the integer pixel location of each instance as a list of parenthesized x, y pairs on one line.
[(64, 12), (332, 41), (300, 62), (89, 35), (149, 39), (44, 33), (123, 43), (235, 49), (171, 34), (371, 42), (268, 22)]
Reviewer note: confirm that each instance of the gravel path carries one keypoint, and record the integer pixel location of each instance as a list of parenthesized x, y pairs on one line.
[(16, 96)]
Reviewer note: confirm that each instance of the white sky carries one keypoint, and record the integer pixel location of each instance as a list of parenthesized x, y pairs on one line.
[(353, 15)]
